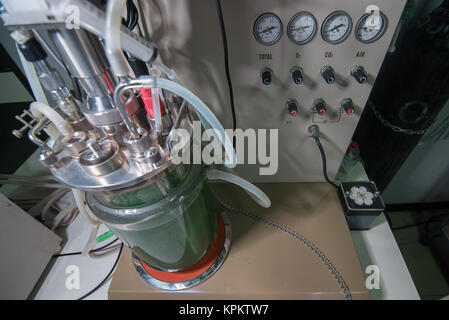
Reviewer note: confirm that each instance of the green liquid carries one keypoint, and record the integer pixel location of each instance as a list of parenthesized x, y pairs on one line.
[(176, 230)]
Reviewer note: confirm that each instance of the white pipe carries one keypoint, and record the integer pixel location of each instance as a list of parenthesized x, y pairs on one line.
[(205, 112), (39, 109), (78, 195), (258, 195), (80, 201), (113, 49), (58, 219), (91, 242)]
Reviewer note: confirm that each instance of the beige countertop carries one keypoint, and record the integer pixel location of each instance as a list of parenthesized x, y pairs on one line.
[(265, 263)]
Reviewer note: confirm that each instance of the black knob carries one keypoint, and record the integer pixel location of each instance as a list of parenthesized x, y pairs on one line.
[(266, 76), (348, 106), (359, 74), (328, 74), (292, 106), (320, 106), (297, 75)]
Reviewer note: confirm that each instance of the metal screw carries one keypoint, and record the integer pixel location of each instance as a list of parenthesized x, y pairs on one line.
[(95, 148), (155, 156)]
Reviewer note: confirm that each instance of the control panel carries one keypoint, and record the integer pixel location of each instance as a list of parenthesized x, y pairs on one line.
[(293, 63)]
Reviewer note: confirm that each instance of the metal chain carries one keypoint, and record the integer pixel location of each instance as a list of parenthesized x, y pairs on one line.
[(393, 127), (303, 240)]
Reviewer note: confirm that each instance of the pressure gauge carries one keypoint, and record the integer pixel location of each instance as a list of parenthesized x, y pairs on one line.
[(336, 27), (371, 27), (301, 28), (267, 29)]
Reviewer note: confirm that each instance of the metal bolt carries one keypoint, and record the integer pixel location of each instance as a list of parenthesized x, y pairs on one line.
[(155, 156), (95, 148)]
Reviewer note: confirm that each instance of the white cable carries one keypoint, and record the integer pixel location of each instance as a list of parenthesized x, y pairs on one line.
[(51, 200), (104, 252), (37, 208), (58, 219), (113, 49), (80, 201), (258, 195), (39, 109), (91, 242), (85, 210)]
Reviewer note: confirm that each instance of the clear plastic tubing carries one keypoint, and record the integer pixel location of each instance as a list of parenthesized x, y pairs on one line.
[(156, 109), (172, 75), (203, 110), (114, 51), (258, 195)]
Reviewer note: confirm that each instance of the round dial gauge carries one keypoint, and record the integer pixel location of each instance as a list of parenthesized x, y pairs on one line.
[(336, 27), (371, 27), (301, 28), (268, 29)]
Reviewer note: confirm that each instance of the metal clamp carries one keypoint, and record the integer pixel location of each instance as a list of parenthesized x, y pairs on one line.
[(26, 125)]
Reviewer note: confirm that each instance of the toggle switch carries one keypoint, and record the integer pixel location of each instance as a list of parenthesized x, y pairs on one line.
[(328, 74), (296, 73), (319, 106), (292, 107), (348, 106), (359, 74), (266, 76)]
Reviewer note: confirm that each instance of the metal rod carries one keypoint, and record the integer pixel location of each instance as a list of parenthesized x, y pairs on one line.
[(32, 134), (124, 86)]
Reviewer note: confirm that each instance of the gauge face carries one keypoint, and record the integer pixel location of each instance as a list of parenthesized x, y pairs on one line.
[(336, 27), (268, 29), (301, 28), (371, 27)]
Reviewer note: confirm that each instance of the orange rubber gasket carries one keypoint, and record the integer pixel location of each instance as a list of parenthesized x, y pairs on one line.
[(198, 268)]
